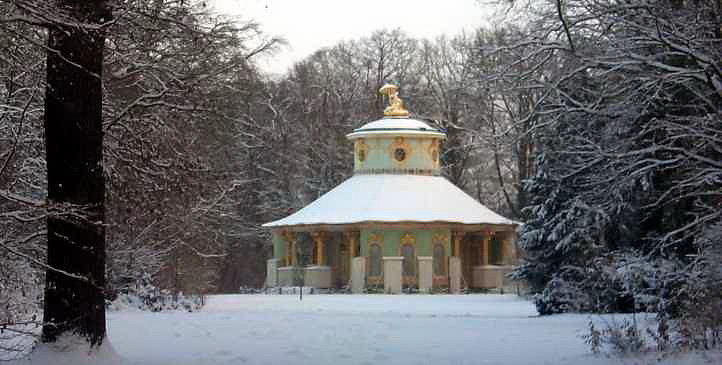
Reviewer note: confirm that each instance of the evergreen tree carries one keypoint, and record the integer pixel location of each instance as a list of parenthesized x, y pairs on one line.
[(628, 165)]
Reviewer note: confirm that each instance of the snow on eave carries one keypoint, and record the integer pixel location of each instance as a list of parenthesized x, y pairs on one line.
[(393, 199), (396, 133), (495, 227), (397, 126)]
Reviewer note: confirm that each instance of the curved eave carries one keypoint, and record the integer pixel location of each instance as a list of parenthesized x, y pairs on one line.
[(396, 133), (394, 200), (399, 225)]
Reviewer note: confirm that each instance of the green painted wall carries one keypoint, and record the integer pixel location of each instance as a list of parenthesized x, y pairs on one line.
[(379, 155), (279, 246), (392, 241)]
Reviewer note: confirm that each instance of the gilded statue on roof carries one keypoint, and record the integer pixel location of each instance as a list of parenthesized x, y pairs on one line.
[(396, 105)]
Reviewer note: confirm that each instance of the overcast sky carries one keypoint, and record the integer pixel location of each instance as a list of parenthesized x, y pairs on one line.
[(311, 24)]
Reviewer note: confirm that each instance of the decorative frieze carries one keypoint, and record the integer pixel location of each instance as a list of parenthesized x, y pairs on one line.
[(398, 171)]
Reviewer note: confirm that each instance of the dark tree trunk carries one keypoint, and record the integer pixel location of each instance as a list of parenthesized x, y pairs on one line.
[(74, 292)]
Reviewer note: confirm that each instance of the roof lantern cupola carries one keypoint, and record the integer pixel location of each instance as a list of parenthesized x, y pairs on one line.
[(397, 144)]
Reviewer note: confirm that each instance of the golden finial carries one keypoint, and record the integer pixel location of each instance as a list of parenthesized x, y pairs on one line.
[(396, 105)]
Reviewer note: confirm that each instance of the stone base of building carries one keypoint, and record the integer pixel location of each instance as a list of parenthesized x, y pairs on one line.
[(290, 276), (491, 277), (318, 276), (487, 277)]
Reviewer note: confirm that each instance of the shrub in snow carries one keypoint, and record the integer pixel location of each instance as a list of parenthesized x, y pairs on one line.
[(21, 294), (147, 297), (686, 298), (249, 290), (622, 338), (695, 307), (595, 288)]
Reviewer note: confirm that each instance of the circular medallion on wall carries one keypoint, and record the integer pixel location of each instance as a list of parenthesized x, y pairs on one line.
[(399, 154), (400, 150)]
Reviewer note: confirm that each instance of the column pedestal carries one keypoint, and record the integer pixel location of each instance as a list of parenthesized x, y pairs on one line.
[(426, 274), (358, 274), (272, 272), (392, 274), (454, 275)]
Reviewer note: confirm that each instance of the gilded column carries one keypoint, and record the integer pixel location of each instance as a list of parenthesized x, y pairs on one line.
[(509, 251), (458, 236), (485, 248), (352, 239), (290, 248), (505, 248), (514, 250), (318, 239)]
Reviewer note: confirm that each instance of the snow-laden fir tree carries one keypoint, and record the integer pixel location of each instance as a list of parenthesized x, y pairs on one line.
[(628, 189)]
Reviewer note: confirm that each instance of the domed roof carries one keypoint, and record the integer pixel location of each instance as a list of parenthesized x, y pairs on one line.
[(397, 126)]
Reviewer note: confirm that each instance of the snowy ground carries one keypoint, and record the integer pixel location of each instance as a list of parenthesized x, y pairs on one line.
[(354, 329)]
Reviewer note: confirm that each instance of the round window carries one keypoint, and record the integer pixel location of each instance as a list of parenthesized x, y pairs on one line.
[(400, 154), (361, 154)]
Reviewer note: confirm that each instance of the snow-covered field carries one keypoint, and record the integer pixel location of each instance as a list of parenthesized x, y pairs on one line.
[(354, 329)]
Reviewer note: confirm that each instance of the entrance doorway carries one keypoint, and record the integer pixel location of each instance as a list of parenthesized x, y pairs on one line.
[(408, 268), (343, 269), (471, 247)]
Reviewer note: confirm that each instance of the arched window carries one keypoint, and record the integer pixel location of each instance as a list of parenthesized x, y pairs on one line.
[(439, 260), (409, 267), (375, 260)]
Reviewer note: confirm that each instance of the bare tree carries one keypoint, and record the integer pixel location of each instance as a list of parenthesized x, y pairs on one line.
[(74, 289), (171, 72)]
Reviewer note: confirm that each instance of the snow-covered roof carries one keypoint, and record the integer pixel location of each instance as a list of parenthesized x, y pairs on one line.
[(393, 198), (398, 126)]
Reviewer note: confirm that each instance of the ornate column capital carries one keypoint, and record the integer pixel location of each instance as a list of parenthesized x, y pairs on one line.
[(289, 236), (318, 235), (457, 236), (351, 235)]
